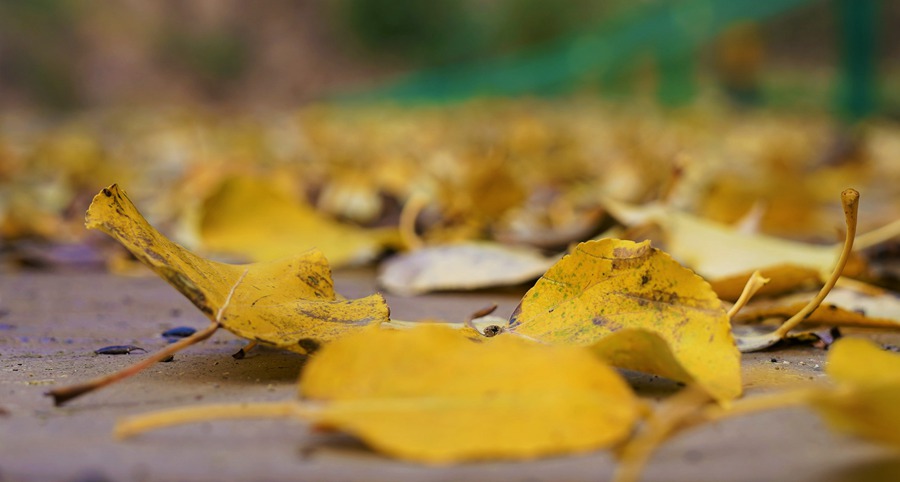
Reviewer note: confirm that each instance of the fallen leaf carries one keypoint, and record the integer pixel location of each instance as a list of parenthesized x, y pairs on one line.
[(842, 307), (610, 285), (430, 395), (254, 218), (783, 278), (290, 304), (866, 400), (279, 302), (461, 266)]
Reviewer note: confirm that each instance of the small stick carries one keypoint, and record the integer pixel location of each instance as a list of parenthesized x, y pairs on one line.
[(64, 394), (753, 285)]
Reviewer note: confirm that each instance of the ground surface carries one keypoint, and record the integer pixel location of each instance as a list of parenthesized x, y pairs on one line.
[(51, 323)]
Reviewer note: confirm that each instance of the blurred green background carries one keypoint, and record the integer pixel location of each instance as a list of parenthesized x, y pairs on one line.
[(61, 55)]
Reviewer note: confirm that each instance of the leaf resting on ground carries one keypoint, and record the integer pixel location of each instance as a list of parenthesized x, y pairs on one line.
[(281, 303), (641, 300), (429, 394)]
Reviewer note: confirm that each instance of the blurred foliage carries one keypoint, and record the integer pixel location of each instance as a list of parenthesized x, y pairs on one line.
[(65, 54)]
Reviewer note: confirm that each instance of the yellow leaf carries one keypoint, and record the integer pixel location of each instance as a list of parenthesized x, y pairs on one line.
[(432, 395), (783, 278), (428, 394), (282, 303), (254, 218), (610, 285), (866, 401), (842, 307)]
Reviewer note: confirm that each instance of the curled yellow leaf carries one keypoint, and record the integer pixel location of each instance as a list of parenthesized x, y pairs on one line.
[(289, 303)]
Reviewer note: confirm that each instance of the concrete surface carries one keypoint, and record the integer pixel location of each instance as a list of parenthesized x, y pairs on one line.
[(51, 323)]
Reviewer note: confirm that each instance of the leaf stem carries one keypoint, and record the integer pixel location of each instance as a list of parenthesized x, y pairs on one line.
[(756, 281), (850, 202), (689, 409), (135, 425), (878, 235)]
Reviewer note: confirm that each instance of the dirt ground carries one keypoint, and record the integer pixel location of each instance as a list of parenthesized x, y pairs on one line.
[(50, 324)]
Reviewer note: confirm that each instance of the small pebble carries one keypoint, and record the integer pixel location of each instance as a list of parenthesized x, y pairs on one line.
[(118, 350), (178, 332)]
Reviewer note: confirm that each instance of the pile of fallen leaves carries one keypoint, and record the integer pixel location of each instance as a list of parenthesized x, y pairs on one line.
[(654, 241)]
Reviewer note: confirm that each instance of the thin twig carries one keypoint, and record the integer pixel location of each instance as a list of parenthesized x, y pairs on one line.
[(64, 394)]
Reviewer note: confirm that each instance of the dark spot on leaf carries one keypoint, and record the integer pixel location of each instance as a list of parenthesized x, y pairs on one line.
[(107, 192), (832, 307), (312, 280), (645, 279), (309, 345), (600, 320)]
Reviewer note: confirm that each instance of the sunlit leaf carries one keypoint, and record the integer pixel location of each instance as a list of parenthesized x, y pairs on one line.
[(281, 303), (431, 395), (842, 307), (608, 286), (254, 218)]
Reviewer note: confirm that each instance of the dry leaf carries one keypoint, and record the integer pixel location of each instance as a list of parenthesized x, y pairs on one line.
[(462, 266), (783, 278), (842, 307), (290, 304), (866, 401), (430, 395), (254, 218), (611, 285), (280, 303)]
